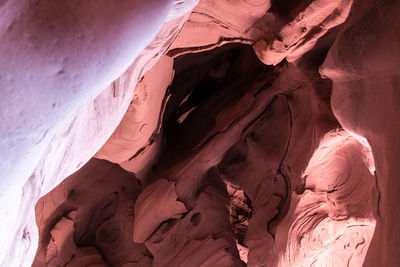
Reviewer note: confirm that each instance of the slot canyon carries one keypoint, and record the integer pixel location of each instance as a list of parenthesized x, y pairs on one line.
[(200, 133)]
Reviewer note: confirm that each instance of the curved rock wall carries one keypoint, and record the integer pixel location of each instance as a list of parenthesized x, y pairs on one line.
[(259, 133)]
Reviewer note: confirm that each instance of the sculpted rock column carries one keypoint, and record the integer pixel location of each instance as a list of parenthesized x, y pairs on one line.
[(364, 65)]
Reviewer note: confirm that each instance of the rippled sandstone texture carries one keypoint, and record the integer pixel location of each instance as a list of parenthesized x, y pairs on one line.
[(246, 132)]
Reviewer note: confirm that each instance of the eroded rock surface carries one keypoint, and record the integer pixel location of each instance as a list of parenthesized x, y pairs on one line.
[(259, 133), (82, 220)]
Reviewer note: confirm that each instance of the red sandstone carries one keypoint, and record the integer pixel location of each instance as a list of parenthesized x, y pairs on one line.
[(199, 133)]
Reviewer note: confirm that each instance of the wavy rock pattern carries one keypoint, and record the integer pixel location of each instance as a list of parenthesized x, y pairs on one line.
[(247, 132), (332, 220)]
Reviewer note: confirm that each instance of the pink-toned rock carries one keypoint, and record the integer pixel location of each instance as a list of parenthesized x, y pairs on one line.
[(143, 118), (56, 57), (364, 67), (331, 220), (77, 137), (90, 217), (296, 37), (156, 204), (222, 141)]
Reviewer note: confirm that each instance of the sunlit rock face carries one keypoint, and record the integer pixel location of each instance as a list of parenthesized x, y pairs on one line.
[(365, 74), (330, 221), (199, 133)]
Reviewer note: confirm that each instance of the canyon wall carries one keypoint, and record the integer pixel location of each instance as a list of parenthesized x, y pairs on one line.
[(229, 133)]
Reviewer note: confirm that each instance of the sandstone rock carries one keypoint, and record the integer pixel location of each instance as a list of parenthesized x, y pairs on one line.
[(156, 204), (199, 133)]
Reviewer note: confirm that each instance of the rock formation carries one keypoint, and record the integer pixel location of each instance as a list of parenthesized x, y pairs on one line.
[(199, 133)]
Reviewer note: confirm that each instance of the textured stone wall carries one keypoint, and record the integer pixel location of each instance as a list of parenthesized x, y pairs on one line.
[(229, 133)]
